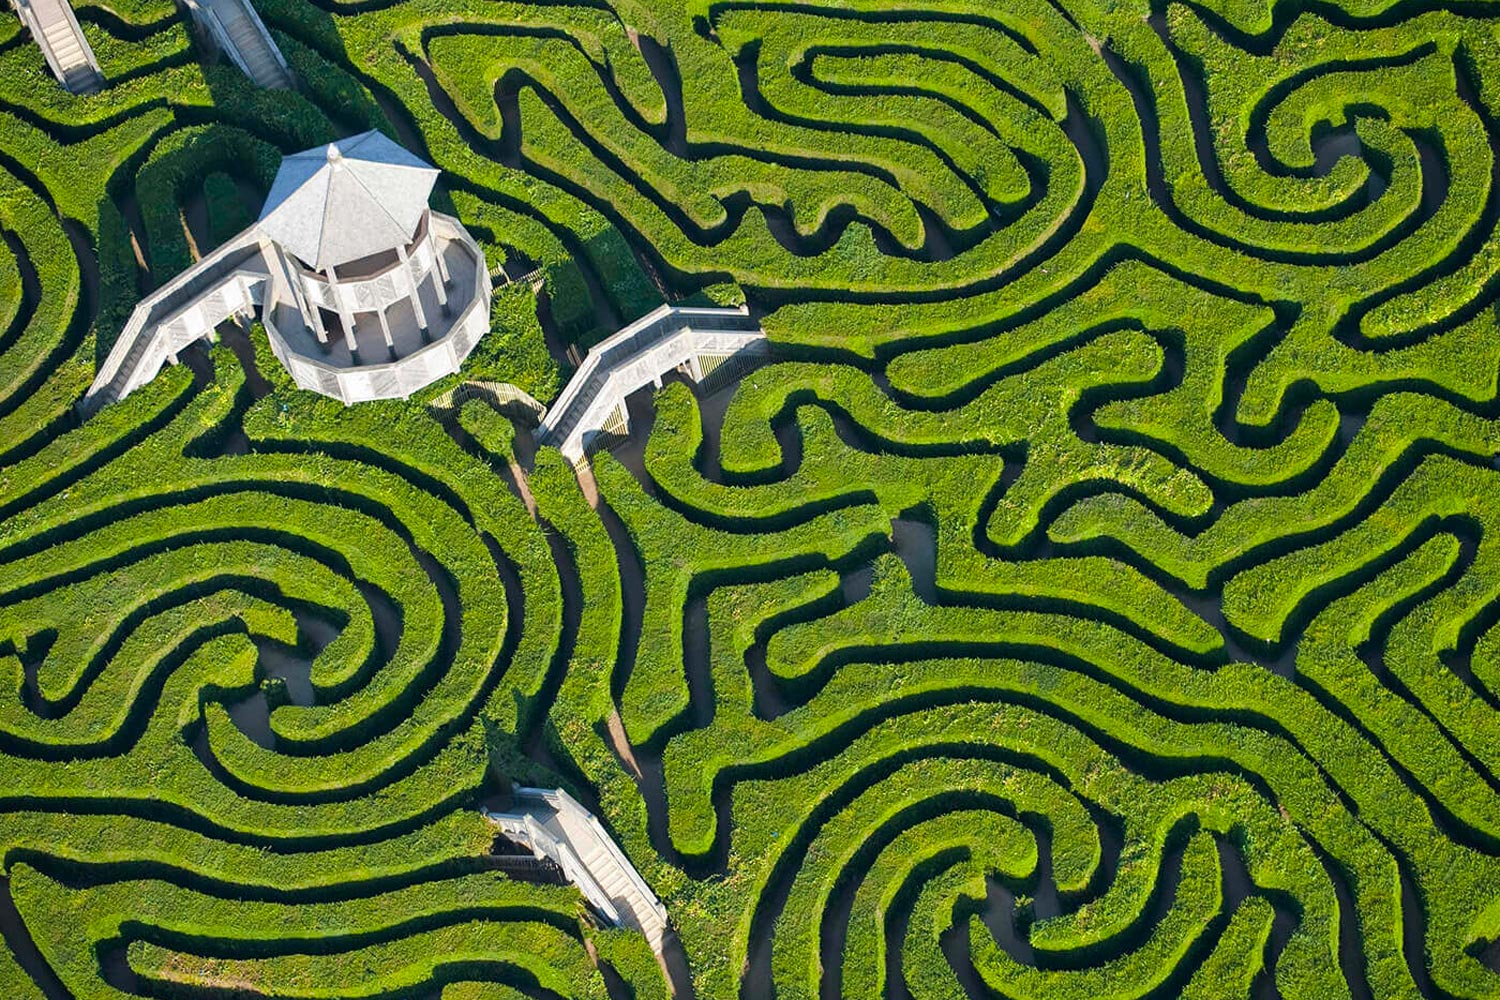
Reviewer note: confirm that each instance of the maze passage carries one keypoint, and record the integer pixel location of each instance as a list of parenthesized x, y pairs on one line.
[(1092, 590)]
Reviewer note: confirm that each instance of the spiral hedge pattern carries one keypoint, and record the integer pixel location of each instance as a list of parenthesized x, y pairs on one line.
[(1099, 597)]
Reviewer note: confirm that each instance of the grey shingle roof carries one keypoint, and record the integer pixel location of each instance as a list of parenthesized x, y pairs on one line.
[(347, 200)]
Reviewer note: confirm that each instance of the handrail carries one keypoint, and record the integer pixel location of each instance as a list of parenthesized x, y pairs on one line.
[(656, 328), (27, 11), (143, 310), (221, 35)]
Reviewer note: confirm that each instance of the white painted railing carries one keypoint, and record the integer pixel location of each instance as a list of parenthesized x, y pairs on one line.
[(580, 836), (184, 309), (641, 353), (400, 378), (377, 290)]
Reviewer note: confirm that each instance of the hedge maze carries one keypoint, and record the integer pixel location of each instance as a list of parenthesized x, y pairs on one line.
[(1098, 598)]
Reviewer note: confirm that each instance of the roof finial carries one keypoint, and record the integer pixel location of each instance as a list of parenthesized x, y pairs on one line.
[(334, 154)]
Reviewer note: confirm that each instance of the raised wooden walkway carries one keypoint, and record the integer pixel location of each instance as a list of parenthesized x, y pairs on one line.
[(553, 825), (699, 341)]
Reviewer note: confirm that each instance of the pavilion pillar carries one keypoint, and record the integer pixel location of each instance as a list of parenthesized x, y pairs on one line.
[(290, 274), (437, 255), (385, 330), (345, 316), (415, 292), (309, 309), (441, 285), (317, 323)]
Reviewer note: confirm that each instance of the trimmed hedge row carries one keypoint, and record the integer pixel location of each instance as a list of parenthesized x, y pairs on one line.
[(1086, 548), (394, 940)]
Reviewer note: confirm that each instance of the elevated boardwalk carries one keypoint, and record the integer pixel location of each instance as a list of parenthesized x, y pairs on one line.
[(699, 341), (553, 825), (70, 57), (240, 33)]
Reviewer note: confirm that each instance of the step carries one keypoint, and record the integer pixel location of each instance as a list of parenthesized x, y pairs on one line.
[(261, 67), (256, 61), (259, 60), (64, 42), (247, 41)]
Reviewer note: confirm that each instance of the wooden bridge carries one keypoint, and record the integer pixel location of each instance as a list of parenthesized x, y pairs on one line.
[(553, 825), (700, 342)]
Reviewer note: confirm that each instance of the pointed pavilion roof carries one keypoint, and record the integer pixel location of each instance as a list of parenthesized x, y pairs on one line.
[(346, 200)]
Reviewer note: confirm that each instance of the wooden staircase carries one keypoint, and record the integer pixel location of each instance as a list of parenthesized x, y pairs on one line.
[(239, 31), (553, 825), (68, 53)]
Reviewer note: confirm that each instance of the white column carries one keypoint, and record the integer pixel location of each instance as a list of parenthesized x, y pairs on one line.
[(345, 316), (440, 284), (385, 329), (317, 322), (437, 256), (291, 275), (411, 285)]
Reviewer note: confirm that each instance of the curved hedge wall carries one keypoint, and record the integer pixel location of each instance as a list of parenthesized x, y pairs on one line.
[(1097, 596)]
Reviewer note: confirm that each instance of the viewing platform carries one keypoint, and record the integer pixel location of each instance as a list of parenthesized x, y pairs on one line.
[(364, 291)]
